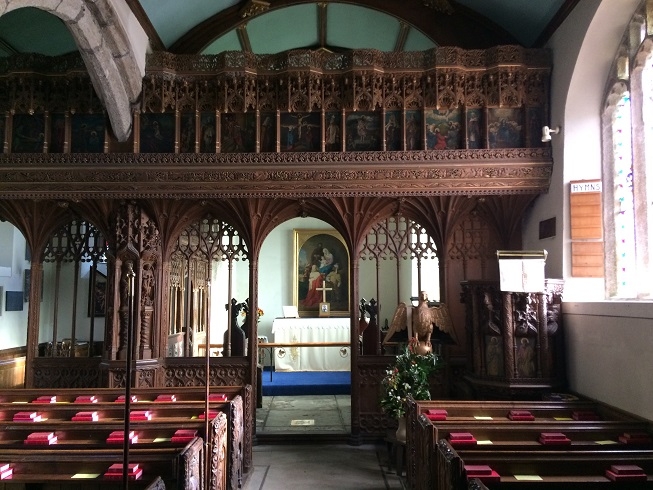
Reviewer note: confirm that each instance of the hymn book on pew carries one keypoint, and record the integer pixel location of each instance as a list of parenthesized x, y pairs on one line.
[(118, 437), (41, 438), (6, 471), (134, 472), (86, 417), (482, 472), (46, 399), (184, 435), (625, 472), (27, 417), (85, 399)]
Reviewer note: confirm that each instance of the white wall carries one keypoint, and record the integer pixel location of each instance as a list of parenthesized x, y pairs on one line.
[(607, 342), (608, 350), (65, 303), (13, 324)]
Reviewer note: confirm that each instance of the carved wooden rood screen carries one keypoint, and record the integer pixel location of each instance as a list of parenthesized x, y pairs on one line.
[(347, 138), (252, 117)]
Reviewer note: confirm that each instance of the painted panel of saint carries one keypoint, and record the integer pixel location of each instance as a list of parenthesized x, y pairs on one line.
[(363, 131), (443, 129), (57, 133), (187, 132), (333, 132), (87, 133), (301, 131), (475, 139), (494, 355), (28, 133), (414, 130), (157, 133), (505, 128), (238, 133), (393, 131), (535, 119), (525, 357), (268, 133), (208, 133)]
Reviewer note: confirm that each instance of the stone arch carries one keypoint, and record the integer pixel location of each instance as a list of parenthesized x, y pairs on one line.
[(106, 49)]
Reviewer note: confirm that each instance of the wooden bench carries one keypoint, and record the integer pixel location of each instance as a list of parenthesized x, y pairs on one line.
[(541, 469), (493, 418), (84, 465), (166, 417)]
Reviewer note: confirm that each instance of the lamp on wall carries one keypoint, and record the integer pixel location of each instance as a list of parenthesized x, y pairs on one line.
[(547, 132)]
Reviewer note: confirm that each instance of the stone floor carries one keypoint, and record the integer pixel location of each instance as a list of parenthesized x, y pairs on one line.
[(303, 456), (304, 414)]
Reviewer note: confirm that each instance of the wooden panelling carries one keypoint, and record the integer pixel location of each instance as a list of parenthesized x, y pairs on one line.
[(12, 368), (12, 373), (586, 228), (586, 216), (587, 259)]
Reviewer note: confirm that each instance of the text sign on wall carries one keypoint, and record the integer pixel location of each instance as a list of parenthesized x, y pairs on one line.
[(586, 228), (586, 186)]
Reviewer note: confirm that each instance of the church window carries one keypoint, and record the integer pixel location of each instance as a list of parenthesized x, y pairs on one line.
[(624, 215), (628, 167)]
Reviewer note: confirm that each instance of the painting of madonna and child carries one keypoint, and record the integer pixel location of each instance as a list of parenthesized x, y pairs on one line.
[(321, 272)]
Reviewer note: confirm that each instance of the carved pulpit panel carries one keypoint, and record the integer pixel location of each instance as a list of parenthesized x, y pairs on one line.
[(515, 340)]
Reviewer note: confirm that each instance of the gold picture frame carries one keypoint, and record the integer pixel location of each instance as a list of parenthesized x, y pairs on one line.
[(321, 273)]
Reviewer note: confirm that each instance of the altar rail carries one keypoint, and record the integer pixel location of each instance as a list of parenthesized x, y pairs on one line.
[(345, 349)]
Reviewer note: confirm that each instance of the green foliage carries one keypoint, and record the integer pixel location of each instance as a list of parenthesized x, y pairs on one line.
[(409, 374)]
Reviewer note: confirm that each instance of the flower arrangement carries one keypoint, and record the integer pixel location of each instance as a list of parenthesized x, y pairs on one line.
[(259, 314), (409, 374)]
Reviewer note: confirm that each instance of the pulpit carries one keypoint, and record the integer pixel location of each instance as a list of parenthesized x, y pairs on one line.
[(289, 331), (514, 341)]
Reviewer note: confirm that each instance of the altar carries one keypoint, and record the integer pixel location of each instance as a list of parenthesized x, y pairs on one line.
[(291, 331)]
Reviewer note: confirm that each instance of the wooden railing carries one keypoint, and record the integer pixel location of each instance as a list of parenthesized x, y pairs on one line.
[(345, 346)]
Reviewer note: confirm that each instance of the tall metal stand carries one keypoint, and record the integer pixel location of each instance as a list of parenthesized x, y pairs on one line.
[(207, 423), (128, 371)]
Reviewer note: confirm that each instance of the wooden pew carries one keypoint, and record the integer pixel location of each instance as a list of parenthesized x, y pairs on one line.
[(81, 466), (528, 438), (557, 416), (553, 468), (166, 417), (504, 436)]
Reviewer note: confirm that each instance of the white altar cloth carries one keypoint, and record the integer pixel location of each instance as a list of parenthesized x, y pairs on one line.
[(293, 330)]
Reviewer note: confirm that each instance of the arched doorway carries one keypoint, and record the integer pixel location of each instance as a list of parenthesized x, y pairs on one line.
[(305, 390)]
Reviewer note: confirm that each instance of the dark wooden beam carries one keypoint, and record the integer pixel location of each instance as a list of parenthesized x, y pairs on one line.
[(463, 28), (555, 22), (243, 38), (322, 23), (7, 48), (402, 36)]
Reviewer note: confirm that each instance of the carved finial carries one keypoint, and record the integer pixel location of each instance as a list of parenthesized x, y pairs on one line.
[(254, 7)]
